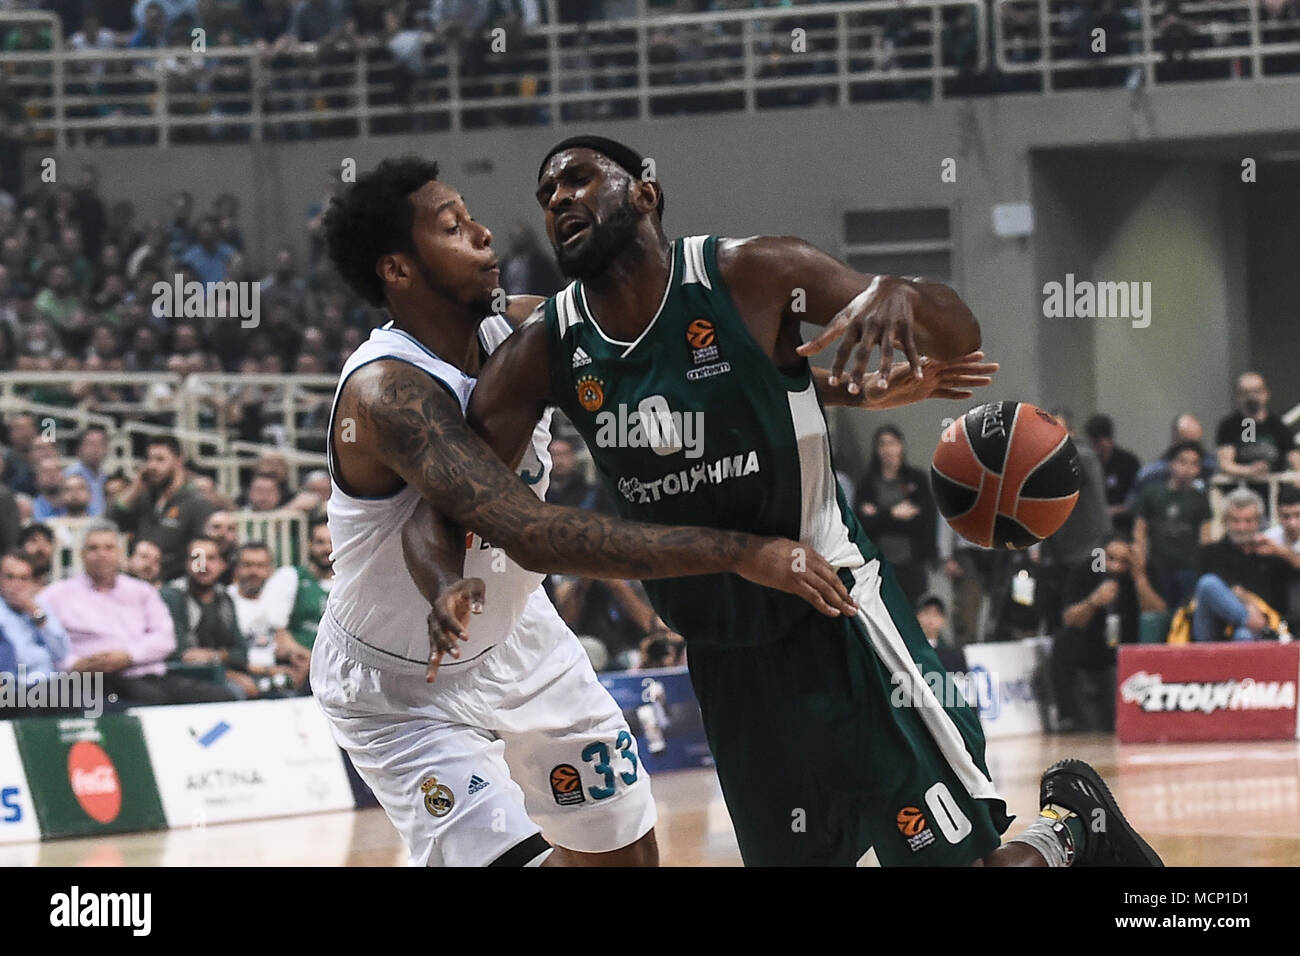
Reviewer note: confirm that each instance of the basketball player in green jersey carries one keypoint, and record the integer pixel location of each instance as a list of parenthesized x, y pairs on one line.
[(682, 366)]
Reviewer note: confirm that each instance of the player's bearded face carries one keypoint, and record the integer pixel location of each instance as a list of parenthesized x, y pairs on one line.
[(605, 240)]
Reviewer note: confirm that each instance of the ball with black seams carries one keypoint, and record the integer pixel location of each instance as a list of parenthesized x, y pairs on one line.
[(1005, 475)]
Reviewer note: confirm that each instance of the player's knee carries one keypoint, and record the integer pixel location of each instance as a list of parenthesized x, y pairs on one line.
[(644, 852)]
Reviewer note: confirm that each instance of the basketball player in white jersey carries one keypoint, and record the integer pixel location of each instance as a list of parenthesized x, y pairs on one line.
[(515, 737)]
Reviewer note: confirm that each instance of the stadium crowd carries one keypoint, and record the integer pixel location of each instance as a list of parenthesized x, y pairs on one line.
[(307, 52)]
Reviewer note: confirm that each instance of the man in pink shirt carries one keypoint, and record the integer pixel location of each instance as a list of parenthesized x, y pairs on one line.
[(120, 626)]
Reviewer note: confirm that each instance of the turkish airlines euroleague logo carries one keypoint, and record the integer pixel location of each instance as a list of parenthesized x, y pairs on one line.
[(94, 781)]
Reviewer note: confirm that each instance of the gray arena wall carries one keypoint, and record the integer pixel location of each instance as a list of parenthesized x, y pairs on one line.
[(1124, 186)]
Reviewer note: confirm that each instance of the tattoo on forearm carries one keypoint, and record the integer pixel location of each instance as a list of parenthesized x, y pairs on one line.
[(418, 430)]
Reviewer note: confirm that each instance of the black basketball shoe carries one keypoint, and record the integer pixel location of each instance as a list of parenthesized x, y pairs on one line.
[(1111, 840)]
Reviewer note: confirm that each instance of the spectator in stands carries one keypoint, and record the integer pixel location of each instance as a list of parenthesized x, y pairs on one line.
[(145, 562), (48, 502), (1104, 601), (1252, 442), (932, 615), (264, 492), (285, 283), (162, 506), (208, 255), (18, 472), (897, 511), (92, 449), (263, 602), (207, 626), (226, 208), (1238, 571), (569, 485), (10, 520), (222, 528), (314, 582), (1171, 521), (1118, 465), (120, 626), (1286, 534), (58, 301), (38, 638), (616, 612), (75, 497), (1186, 428), (152, 30), (37, 542)]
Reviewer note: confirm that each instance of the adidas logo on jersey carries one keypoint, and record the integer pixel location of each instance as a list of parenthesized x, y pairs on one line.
[(581, 358), (476, 783)]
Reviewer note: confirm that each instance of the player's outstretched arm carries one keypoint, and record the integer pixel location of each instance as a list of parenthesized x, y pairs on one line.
[(411, 424), (780, 281), (950, 380)]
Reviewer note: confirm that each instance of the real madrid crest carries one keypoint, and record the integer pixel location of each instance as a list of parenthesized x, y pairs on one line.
[(591, 393), (438, 798)]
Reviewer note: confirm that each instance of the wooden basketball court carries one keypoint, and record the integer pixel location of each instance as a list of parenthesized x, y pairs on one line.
[(1229, 804)]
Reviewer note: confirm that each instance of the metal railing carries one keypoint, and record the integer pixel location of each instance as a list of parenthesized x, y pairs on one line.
[(740, 60), (1068, 45), (284, 532), (196, 409), (733, 60)]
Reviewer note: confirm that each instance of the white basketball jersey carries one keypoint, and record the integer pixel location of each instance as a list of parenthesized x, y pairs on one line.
[(374, 599)]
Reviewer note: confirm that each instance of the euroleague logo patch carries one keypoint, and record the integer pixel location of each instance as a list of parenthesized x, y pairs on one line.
[(566, 785), (700, 334), (591, 393), (438, 798), (706, 359), (912, 824)]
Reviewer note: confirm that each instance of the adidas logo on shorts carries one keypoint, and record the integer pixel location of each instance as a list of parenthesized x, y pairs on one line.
[(476, 783)]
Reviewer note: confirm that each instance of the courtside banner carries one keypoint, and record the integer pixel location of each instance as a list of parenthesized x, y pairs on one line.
[(662, 712), (244, 760), (17, 815), (1227, 691), (89, 775), (1004, 681)]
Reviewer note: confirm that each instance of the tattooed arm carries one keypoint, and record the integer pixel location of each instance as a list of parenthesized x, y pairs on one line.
[(411, 425)]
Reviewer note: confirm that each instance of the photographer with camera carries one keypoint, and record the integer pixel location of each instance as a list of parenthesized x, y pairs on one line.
[(1105, 596)]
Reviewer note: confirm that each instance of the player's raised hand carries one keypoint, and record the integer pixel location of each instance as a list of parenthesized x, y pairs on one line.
[(799, 570), (449, 620), (881, 315)]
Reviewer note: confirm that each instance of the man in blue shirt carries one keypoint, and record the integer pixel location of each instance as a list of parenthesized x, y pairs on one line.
[(39, 642), (209, 255), (92, 449)]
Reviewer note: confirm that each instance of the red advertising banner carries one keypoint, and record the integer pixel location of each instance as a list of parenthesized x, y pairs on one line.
[(1227, 691)]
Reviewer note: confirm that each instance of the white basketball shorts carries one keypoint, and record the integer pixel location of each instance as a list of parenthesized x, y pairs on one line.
[(469, 769)]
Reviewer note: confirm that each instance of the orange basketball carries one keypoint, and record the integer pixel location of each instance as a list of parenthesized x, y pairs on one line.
[(564, 779), (911, 821), (1005, 475)]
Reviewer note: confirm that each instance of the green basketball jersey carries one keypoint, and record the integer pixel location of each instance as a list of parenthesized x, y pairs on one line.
[(692, 424)]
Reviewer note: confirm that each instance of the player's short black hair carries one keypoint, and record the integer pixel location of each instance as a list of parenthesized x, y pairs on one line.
[(373, 217), (1178, 447)]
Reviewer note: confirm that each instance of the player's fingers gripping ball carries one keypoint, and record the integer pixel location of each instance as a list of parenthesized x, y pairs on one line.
[(1005, 475)]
